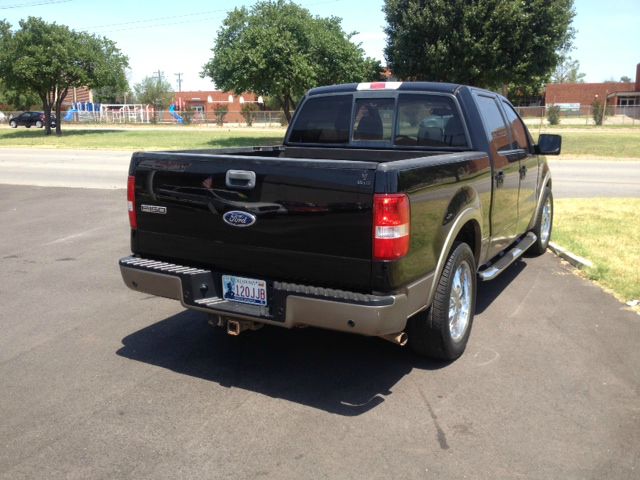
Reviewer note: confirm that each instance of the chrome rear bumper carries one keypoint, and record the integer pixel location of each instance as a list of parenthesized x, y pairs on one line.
[(290, 305)]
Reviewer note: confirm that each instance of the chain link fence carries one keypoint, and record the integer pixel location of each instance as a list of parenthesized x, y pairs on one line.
[(615, 115), (259, 118)]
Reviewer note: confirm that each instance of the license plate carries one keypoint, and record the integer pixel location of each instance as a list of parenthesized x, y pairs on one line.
[(244, 290)]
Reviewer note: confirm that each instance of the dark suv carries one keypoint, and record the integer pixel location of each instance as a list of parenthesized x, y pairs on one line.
[(30, 119)]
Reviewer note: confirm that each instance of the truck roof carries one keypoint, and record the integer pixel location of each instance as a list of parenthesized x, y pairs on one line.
[(406, 86)]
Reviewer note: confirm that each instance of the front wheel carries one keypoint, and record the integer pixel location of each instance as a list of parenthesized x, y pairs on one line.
[(39, 124), (443, 330), (13, 124), (544, 224)]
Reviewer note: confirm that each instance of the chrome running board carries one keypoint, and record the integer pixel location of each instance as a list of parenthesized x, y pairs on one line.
[(508, 258)]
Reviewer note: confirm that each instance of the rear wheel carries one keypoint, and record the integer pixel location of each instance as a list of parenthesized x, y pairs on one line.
[(13, 124), (443, 330), (544, 224)]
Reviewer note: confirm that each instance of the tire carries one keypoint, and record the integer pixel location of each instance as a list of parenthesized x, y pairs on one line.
[(13, 124), (39, 124), (542, 229), (28, 126), (442, 331)]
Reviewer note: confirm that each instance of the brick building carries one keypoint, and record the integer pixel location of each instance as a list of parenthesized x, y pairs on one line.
[(205, 103), (582, 94)]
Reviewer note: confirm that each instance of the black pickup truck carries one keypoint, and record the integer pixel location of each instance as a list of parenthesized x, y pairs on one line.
[(377, 215)]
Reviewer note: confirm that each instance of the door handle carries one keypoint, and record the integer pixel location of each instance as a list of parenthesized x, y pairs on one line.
[(499, 178), (523, 171), (242, 179)]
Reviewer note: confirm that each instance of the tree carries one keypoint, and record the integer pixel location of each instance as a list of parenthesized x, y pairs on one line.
[(154, 91), (278, 48), (625, 79), (112, 94), (486, 43), (18, 99), (48, 59), (568, 71)]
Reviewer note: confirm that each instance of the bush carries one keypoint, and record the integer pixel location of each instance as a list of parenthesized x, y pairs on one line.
[(553, 115), (220, 111), (249, 113), (597, 110)]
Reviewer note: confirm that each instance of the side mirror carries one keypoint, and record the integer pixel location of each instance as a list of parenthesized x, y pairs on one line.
[(549, 144)]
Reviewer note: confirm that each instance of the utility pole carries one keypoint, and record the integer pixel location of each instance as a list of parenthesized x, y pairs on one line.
[(157, 101), (159, 74), (179, 75)]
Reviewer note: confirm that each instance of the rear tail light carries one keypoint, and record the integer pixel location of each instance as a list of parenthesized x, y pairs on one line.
[(131, 202), (391, 222)]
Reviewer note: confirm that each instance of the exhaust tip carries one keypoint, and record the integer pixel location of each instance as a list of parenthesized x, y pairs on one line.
[(400, 338), (233, 327)]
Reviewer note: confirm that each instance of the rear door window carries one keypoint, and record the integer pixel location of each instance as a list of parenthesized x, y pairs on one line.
[(429, 120), (323, 120)]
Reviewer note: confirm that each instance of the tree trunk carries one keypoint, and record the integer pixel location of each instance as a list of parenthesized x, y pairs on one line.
[(59, 101), (285, 108), (46, 106)]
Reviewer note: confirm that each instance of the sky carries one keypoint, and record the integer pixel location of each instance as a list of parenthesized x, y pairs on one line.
[(177, 37)]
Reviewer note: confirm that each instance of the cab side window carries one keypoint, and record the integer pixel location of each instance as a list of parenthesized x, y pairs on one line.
[(497, 131), (518, 130)]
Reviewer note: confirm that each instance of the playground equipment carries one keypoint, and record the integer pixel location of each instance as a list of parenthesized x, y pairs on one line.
[(109, 113), (174, 114)]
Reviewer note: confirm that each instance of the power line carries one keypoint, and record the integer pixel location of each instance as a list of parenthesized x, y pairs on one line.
[(36, 4), (136, 24)]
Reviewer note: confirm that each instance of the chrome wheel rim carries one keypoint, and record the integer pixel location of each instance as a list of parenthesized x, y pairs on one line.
[(460, 301), (545, 226)]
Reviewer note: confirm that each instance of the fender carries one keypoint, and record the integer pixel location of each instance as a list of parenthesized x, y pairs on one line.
[(545, 181), (471, 212)]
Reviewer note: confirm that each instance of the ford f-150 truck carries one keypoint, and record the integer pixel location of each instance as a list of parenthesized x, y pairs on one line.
[(377, 215)]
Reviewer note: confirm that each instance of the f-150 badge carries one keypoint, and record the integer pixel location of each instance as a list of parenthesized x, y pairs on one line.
[(153, 209), (236, 218)]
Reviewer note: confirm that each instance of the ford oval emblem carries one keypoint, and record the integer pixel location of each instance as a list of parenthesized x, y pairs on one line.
[(236, 218)]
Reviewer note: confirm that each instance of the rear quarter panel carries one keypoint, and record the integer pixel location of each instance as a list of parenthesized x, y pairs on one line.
[(439, 189)]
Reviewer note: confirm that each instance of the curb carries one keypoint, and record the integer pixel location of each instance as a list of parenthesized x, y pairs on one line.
[(575, 260)]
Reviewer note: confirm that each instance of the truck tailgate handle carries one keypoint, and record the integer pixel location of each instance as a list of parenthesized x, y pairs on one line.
[(242, 179)]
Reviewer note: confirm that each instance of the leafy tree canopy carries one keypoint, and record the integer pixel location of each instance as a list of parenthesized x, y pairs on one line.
[(278, 48), (486, 43), (568, 71), (625, 79), (48, 59), (154, 91), (17, 99)]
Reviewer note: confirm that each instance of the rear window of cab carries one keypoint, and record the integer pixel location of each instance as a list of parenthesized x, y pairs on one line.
[(411, 120)]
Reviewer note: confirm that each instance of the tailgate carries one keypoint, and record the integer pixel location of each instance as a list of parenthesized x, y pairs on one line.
[(306, 221)]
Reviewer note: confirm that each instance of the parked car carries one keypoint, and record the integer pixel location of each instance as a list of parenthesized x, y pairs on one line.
[(31, 119), (393, 200)]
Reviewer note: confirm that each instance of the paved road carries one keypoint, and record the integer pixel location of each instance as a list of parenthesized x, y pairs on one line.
[(587, 179), (108, 169), (64, 168), (100, 382)]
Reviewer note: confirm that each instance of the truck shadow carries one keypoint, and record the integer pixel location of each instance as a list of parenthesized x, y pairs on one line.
[(489, 291), (338, 373)]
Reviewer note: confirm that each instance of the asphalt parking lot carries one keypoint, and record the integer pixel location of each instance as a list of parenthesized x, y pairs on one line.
[(98, 381)]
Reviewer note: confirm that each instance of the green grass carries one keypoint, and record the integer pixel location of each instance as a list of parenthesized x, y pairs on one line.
[(141, 139), (605, 231), (597, 142)]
